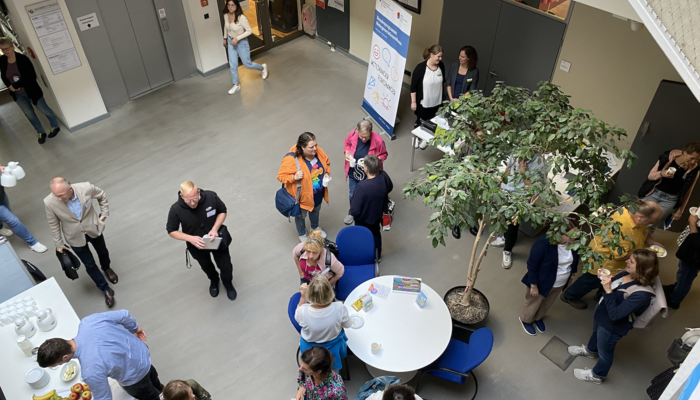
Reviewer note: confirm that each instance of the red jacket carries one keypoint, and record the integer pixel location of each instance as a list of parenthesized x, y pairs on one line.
[(376, 147)]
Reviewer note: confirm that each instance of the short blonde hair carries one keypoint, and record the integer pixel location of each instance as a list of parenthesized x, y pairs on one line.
[(320, 292), (314, 242), (5, 41), (186, 187)]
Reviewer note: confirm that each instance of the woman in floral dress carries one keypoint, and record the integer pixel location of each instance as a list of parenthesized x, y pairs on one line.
[(317, 381)]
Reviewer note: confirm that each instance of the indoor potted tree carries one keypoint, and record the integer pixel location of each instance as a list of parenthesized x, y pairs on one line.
[(489, 135)]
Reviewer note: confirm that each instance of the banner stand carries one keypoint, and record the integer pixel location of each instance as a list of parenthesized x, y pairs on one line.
[(378, 127)]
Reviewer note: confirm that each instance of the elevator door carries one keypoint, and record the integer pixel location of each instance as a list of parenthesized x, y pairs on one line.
[(134, 31)]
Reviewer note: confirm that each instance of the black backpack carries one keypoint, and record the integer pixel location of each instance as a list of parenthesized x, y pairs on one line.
[(331, 247)]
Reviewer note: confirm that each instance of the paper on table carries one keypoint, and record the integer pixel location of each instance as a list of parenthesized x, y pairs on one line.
[(379, 290)]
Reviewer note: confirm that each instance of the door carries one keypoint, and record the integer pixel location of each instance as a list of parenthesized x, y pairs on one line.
[(173, 28), (333, 25), (525, 49), (273, 22), (670, 123)]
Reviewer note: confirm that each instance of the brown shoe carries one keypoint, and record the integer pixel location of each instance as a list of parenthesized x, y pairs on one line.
[(112, 276), (109, 297), (577, 304)]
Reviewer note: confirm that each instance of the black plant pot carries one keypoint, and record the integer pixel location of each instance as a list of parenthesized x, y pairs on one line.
[(458, 316)]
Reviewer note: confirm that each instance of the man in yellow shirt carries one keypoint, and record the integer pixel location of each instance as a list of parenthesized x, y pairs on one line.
[(632, 225)]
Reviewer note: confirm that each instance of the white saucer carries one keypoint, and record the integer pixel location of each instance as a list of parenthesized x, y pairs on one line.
[(357, 321)]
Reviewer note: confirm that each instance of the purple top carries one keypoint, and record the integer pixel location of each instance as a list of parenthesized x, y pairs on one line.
[(13, 75)]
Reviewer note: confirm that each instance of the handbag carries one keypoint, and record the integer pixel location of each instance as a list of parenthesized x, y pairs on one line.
[(681, 347), (34, 271), (285, 203), (69, 263)]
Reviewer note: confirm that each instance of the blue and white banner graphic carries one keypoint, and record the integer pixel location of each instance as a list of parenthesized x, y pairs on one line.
[(387, 60)]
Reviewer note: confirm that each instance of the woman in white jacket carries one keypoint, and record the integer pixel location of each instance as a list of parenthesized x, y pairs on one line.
[(236, 32)]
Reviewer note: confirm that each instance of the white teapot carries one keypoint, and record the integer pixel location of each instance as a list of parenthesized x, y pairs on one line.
[(24, 327), (45, 320)]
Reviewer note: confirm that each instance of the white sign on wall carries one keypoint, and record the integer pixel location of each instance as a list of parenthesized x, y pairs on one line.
[(87, 22), (55, 39)]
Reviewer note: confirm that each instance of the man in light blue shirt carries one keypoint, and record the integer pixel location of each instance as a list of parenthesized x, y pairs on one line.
[(110, 345)]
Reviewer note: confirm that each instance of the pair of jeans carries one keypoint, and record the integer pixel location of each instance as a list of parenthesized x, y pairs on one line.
[(684, 281), (602, 342), (222, 258), (511, 237), (300, 220), (148, 388), (376, 229), (85, 255), (242, 50), (666, 201), (352, 183), (16, 226), (582, 286), (25, 104)]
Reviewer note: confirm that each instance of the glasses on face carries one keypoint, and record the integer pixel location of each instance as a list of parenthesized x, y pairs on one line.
[(192, 201)]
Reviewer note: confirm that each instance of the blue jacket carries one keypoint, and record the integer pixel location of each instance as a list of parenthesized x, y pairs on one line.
[(376, 385), (614, 310), (542, 265), (338, 348)]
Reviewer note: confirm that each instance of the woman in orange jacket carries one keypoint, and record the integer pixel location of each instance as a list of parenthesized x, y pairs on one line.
[(313, 173)]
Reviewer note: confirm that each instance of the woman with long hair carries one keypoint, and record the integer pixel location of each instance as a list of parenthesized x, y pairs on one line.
[(317, 380), (427, 81), (236, 32), (464, 75)]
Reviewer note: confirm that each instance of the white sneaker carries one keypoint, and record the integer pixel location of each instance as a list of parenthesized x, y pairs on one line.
[(264, 71), (234, 89), (586, 375), (499, 241), (323, 234), (38, 247), (580, 351), (5, 232), (507, 261), (302, 238), (423, 144), (349, 219)]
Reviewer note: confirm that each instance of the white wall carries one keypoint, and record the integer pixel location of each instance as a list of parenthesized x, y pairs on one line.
[(614, 71), (619, 7), (206, 34), (73, 95), (425, 30)]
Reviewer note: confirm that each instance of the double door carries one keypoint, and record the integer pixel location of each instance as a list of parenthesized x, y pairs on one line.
[(273, 22)]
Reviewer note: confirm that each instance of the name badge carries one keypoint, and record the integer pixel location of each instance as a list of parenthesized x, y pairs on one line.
[(210, 213), (469, 80)]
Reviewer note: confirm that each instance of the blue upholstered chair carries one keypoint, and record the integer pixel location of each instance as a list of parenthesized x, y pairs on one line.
[(291, 309), (459, 359), (356, 252)]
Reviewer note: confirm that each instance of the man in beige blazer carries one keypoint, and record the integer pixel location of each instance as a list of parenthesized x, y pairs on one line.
[(74, 221)]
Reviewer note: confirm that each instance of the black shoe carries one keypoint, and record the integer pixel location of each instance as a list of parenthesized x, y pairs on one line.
[(668, 289), (54, 132), (42, 138), (673, 305), (214, 288), (577, 304), (456, 232), (231, 292)]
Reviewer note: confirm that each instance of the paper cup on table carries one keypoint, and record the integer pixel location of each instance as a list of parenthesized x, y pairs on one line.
[(603, 272), (375, 348)]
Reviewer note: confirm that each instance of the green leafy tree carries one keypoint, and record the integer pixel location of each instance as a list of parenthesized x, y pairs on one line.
[(498, 133)]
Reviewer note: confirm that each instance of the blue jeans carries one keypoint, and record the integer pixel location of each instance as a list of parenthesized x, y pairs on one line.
[(25, 104), (666, 201), (582, 286), (242, 50), (352, 183), (300, 220), (16, 226), (603, 343), (684, 281)]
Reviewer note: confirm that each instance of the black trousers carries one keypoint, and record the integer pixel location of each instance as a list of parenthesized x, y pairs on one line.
[(511, 237), (147, 388), (85, 255), (221, 256), (376, 230), (426, 114)]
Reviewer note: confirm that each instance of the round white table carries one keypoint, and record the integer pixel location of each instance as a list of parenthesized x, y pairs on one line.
[(410, 337)]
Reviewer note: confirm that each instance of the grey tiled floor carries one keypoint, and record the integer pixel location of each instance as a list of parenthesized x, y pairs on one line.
[(233, 144)]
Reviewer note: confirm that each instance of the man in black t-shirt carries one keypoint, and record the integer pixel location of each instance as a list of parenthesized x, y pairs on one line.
[(202, 213)]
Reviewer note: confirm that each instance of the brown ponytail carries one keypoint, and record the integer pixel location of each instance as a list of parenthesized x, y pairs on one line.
[(434, 49)]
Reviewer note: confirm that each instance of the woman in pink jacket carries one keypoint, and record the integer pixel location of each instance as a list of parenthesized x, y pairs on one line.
[(361, 142)]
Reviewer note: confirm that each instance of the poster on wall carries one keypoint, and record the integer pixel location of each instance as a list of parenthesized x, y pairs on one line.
[(50, 26), (337, 4), (387, 60)]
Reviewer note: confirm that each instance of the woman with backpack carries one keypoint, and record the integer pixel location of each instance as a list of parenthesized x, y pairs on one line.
[(626, 296), (313, 258)]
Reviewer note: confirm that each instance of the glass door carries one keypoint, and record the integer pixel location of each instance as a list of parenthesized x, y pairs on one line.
[(273, 22)]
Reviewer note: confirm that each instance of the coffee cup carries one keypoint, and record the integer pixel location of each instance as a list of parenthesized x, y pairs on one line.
[(694, 211), (375, 348), (352, 162), (326, 180), (603, 272), (670, 171)]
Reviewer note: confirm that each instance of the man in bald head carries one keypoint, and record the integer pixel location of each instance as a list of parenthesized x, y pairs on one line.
[(634, 226), (74, 222), (201, 213)]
